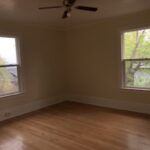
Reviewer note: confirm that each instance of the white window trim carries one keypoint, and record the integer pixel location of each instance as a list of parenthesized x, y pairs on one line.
[(19, 67), (122, 60)]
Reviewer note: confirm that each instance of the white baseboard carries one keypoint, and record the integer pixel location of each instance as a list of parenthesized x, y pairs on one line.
[(121, 105), (36, 105), (28, 107)]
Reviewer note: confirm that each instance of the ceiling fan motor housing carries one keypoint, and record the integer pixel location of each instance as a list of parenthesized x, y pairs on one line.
[(69, 3)]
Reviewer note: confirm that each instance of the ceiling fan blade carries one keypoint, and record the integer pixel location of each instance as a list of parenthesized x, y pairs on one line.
[(86, 8), (50, 7)]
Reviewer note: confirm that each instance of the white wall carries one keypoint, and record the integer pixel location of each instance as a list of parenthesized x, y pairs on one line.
[(93, 63), (82, 64), (42, 66)]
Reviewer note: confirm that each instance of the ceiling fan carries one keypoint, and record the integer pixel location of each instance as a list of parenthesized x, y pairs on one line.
[(69, 4)]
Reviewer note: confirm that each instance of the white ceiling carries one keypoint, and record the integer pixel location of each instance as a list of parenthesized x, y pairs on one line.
[(27, 10)]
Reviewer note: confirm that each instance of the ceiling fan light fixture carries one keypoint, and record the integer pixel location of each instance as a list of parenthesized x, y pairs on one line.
[(68, 14), (69, 4)]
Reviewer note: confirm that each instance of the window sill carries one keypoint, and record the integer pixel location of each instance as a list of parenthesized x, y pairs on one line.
[(11, 95), (135, 89)]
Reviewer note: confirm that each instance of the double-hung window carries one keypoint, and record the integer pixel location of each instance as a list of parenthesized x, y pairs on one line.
[(136, 59), (9, 66)]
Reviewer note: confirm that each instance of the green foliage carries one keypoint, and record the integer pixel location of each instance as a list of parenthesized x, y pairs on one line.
[(141, 39), (142, 78), (6, 84)]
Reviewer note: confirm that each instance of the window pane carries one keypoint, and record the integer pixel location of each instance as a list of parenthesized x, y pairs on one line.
[(8, 51), (137, 44), (8, 80), (137, 73)]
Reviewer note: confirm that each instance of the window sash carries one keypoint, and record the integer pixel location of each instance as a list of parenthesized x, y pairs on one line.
[(139, 59), (10, 65), (124, 82)]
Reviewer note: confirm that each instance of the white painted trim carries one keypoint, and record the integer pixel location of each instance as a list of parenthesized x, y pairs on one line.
[(110, 103), (36, 105), (28, 107)]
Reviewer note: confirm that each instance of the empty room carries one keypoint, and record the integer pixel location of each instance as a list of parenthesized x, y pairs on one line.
[(74, 75)]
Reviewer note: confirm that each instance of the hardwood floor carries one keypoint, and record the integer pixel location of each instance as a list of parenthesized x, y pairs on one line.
[(74, 126)]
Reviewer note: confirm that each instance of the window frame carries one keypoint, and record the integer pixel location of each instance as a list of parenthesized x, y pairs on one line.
[(17, 65), (123, 75)]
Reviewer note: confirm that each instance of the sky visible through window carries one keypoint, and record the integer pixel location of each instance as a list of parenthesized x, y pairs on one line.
[(8, 50)]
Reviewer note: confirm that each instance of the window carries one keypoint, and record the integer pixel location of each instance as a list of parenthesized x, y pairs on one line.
[(9, 66), (136, 59)]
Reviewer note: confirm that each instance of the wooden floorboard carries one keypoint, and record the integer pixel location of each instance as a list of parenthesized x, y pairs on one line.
[(74, 126)]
